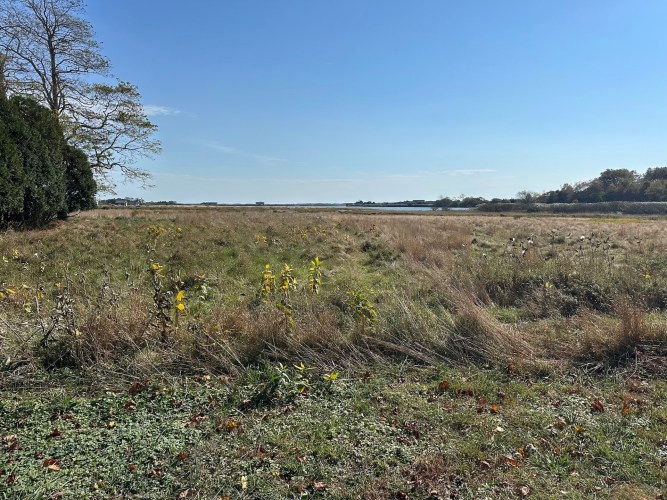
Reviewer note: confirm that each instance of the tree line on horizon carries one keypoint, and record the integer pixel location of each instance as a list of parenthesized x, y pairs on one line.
[(612, 185)]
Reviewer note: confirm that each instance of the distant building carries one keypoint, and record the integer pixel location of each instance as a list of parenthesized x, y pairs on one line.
[(209, 203), (259, 203)]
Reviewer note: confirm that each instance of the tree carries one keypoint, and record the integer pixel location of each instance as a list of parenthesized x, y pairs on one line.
[(80, 187), (41, 176), (111, 126), (3, 79), (40, 185), (12, 176), (656, 191), (48, 52), (41, 141), (658, 173), (526, 196)]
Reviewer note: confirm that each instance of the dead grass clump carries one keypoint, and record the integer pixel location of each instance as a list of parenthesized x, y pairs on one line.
[(428, 242), (104, 338), (430, 476), (615, 341), (479, 336)]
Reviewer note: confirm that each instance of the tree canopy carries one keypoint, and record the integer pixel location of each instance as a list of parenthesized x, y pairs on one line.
[(613, 185), (41, 176), (48, 52)]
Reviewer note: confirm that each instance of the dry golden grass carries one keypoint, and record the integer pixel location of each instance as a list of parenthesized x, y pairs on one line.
[(466, 288)]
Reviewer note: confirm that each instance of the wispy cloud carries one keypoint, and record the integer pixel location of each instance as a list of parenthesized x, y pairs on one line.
[(471, 171), (264, 159), (255, 180), (221, 148), (155, 110)]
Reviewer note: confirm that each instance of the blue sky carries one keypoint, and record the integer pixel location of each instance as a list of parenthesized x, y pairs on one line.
[(314, 101)]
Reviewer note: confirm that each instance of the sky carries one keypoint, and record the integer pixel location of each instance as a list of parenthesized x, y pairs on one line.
[(386, 100)]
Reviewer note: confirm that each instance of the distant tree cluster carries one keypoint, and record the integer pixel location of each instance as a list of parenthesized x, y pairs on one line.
[(41, 176), (461, 202), (612, 185)]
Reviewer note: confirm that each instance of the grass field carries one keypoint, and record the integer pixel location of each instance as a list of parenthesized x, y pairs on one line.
[(278, 353)]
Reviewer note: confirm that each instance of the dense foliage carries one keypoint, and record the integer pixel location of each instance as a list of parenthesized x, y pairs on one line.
[(41, 176), (607, 207), (614, 190), (614, 185), (48, 52), (463, 202)]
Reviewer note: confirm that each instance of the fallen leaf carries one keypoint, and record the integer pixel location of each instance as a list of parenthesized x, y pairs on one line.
[(136, 388), (244, 482), (132, 467), (49, 461), (182, 456), (495, 408), (54, 433), (525, 491), (13, 447), (443, 386), (511, 461), (498, 429), (10, 438), (320, 486), (596, 406), (196, 420), (626, 409), (53, 467)]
